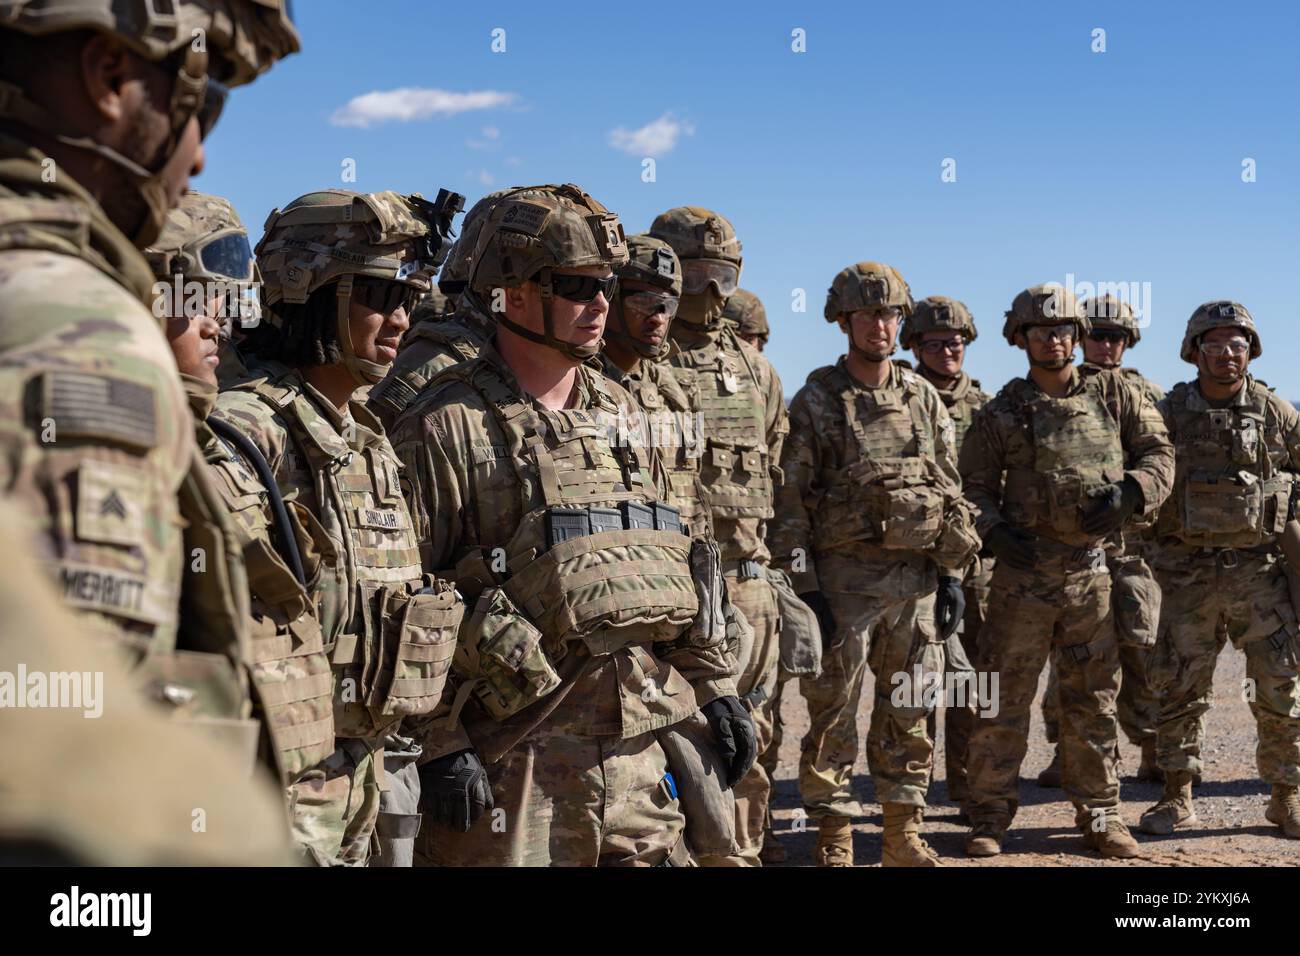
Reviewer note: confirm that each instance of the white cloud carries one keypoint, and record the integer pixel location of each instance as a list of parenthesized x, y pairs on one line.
[(514, 161), (411, 103), (491, 139), (654, 139), (486, 178), (491, 132)]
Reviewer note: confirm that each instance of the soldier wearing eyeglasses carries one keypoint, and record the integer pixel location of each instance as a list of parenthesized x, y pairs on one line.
[(1113, 330), (938, 333), (1221, 566), (1057, 463)]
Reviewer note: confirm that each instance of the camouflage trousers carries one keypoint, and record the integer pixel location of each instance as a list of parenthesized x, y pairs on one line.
[(1243, 598), (884, 624), (567, 800), (1062, 607), (1137, 706), (757, 686), (959, 721), (334, 806)]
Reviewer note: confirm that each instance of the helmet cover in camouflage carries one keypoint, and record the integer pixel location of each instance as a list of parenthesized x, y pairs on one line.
[(243, 37), (1049, 304), (1111, 312), (335, 235), (455, 271), (653, 262), (866, 285), (239, 40), (698, 233), (204, 239), (530, 232), (1222, 313), (746, 310), (937, 313), (433, 307)]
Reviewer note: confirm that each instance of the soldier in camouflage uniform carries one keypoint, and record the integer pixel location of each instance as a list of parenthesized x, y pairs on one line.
[(1219, 562), (745, 311), (872, 524), (436, 342), (745, 422), (635, 344), (1055, 465), (340, 268), (205, 268), (587, 642), (1113, 329), (120, 789), (938, 332), (105, 455)]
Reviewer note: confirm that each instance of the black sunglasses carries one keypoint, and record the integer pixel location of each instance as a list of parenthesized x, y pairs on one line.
[(1107, 335), (214, 101), (583, 288), (384, 295)]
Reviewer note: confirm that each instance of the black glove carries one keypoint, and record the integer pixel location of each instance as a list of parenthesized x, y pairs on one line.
[(734, 729), (1114, 505), (1012, 546), (825, 619), (949, 606), (454, 790)]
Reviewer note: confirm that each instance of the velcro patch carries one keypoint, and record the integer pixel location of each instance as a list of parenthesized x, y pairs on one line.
[(381, 519), (82, 405), (111, 503), (525, 217), (116, 593)]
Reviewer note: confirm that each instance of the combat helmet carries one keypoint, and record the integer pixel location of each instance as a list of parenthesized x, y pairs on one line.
[(530, 232), (1046, 304), (653, 262), (864, 285), (1222, 313), (454, 277), (709, 250), (1111, 312), (336, 235), (205, 240), (746, 311), (937, 313), (241, 39)]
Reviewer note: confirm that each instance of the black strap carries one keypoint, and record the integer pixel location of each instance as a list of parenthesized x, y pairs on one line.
[(287, 540)]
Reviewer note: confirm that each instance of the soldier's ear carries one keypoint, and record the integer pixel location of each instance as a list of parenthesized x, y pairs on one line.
[(843, 322), (1020, 341), (106, 68)]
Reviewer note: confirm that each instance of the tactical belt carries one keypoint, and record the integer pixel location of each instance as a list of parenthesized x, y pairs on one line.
[(1229, 557), (563, 523), (1080, 557), (745, 568)]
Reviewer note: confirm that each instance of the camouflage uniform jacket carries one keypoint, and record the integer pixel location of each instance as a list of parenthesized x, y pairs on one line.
[(1154, 392), (672, 424), (1031, 460), (429, 347), (962, 400), (476, 449), (98, 435), (289, 671), (362, 560), (745, 422), (1238, 465), (843, 436)]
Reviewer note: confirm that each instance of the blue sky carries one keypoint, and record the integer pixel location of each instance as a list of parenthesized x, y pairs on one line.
[(1122, 166)]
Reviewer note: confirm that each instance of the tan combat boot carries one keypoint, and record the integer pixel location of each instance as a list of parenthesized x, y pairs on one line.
[(903, 845), (1148, 769), (1114, 841), (1284, 810), (772, 852), (1175, 810), (986, 836), (835, 841), (1051, 775)]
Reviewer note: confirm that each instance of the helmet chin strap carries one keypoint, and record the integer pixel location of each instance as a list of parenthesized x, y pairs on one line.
[(579, 353), (364, 372)]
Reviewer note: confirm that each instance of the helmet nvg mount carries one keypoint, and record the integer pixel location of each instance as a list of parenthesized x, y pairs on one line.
[(937, 313)]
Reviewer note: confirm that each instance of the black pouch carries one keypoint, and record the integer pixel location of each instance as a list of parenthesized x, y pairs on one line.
[(667, 518), (605, 519), (565, 523), (637, 515)]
